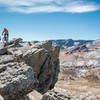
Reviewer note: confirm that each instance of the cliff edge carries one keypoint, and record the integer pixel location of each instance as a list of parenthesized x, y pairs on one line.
[(25, 67)]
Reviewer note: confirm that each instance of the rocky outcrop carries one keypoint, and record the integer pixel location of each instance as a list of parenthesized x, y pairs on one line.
[(16, 80), (44, 59), (26, 67)]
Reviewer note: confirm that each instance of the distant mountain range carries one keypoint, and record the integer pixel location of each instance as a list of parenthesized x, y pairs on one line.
[(69, 43)]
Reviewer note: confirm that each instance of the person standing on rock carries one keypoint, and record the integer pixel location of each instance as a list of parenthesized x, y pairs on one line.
[(6, 34)]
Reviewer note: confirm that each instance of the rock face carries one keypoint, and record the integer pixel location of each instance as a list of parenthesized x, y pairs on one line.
[(28, 66), (44, 59), (16, 80)]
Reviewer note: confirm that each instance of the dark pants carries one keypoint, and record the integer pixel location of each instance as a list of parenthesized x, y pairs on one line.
[(6, 36)]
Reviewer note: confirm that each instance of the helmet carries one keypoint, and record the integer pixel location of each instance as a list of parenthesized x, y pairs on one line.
[(4, 28)]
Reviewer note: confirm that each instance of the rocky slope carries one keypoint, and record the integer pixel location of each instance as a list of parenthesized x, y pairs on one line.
[(25, 67)]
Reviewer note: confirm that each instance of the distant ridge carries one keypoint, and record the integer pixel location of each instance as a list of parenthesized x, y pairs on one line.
[(65, 43)]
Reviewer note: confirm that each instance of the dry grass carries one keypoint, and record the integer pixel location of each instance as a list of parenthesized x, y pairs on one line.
[(80, 85)]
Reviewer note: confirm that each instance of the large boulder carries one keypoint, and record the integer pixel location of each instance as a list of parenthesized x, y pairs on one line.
[(16, 80), (44, 59)]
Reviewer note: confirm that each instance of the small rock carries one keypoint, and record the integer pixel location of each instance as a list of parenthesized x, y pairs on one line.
[(3, 50)]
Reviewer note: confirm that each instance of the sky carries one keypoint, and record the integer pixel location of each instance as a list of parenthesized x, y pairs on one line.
[(51, 19)]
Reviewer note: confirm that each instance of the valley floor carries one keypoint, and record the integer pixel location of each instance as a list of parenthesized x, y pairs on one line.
[(83, 87)]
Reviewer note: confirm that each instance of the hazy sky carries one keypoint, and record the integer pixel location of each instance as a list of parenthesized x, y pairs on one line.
[(51, 19)]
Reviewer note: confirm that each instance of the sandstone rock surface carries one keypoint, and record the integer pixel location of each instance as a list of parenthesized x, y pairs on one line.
[(44, 59), (26, 67), (16, 80)]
